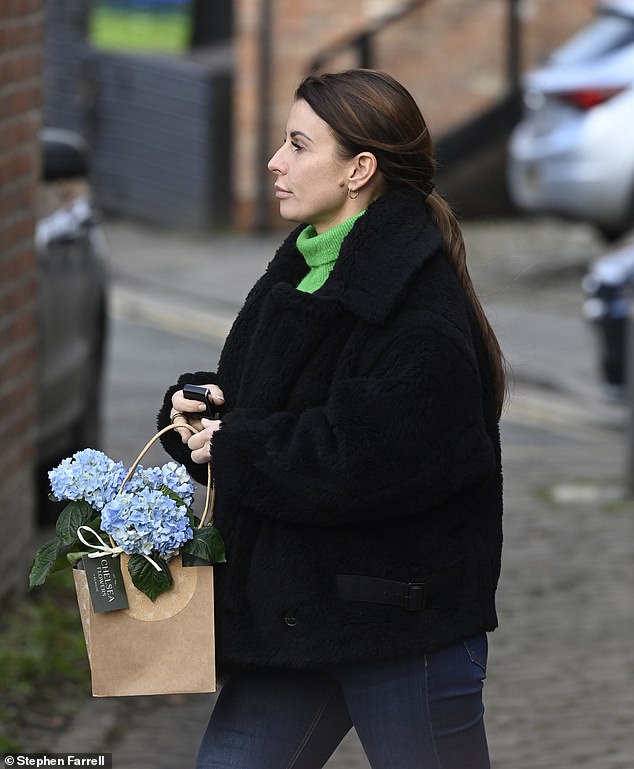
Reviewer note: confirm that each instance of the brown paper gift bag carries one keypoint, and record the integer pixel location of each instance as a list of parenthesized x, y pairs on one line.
[(164, 646), (153, 647)]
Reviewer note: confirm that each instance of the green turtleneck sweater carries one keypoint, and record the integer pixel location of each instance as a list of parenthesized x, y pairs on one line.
[(321, 252)]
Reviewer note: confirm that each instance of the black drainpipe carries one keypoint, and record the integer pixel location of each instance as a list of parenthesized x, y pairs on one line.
[(514, 50), (263, 177)]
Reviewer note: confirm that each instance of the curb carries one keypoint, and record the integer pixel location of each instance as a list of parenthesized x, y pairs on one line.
[(166, 313)]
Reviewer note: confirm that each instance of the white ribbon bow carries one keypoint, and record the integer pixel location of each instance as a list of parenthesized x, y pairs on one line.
[(105, 549)]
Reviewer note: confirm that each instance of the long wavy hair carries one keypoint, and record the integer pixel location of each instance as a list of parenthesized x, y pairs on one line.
[(371, 111)]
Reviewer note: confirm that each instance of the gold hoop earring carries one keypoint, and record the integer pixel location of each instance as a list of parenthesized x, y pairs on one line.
[(353, 194)]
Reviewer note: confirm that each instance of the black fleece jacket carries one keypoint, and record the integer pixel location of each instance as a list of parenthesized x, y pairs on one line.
[(359, 437)]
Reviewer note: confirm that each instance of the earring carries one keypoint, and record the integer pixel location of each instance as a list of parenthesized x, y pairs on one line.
[(353, 194)]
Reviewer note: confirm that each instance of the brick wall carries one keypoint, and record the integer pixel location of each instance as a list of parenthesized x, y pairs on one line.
[(450, 53), (21, 24), (546, 24)]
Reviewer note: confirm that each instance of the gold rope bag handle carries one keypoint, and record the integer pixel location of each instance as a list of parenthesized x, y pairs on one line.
[(210, 496)]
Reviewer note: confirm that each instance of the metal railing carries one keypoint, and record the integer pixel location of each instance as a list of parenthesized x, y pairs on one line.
[(362, 41)]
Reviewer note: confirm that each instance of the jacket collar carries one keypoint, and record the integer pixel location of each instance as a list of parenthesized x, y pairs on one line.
[(383, 251)]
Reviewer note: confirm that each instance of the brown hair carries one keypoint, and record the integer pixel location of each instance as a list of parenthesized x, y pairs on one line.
[(370, 111)]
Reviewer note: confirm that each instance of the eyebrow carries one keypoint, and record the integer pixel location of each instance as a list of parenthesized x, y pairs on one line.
[(293, 134)]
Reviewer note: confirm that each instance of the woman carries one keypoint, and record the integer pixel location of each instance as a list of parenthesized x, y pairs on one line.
[(356, 458)]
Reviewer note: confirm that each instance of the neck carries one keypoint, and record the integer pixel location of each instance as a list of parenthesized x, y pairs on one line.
[(320, 251), (348, 212)]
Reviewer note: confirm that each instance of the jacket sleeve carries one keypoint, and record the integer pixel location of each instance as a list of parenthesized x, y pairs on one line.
[(171, 441), (401, 440)]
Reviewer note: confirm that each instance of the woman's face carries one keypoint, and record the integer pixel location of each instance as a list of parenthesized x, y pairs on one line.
[(312, 181)]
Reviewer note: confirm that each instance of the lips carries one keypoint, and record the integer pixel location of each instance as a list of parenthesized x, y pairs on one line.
[(280, 192)]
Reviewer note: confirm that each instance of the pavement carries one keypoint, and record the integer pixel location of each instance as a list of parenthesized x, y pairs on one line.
[(559, 692)]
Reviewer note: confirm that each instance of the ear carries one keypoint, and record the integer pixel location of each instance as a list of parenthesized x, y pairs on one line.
[(363, 170)]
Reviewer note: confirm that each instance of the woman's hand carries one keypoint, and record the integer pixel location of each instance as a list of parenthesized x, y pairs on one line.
[(188, 411), (200, 443)]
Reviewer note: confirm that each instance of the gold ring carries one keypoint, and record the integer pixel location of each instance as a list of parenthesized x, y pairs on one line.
[(177, 414)]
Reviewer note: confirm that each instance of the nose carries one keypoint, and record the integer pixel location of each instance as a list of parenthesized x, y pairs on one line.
[(275, 165)]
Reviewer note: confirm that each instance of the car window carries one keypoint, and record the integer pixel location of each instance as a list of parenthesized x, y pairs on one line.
[(607, 33)]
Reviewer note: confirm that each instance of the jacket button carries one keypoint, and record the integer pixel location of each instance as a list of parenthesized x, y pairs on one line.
[(290, 619)]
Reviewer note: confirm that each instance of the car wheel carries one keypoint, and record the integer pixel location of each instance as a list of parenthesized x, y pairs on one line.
[(616, 232), (611, 234)]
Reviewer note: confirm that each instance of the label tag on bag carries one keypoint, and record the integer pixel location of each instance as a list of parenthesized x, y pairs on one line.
[(105, 583)]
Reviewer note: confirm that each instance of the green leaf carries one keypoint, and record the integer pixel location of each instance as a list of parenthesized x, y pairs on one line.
[(74, 515), (172, 495), (146, 578), (74, 558), (72, 552), (43, 563), (206, 544), (62, 562)]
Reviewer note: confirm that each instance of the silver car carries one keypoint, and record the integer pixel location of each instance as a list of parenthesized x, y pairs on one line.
[(73, 283), (572, 154)]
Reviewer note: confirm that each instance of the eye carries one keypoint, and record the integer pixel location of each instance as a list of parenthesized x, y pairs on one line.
[(296, 147)]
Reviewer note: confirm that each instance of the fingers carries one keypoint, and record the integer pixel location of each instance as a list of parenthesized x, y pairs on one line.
[(177, 418), (189, 411), (216, 394), (201, 456), (200, 443), (189, 406), (185, 405), (211, 425)]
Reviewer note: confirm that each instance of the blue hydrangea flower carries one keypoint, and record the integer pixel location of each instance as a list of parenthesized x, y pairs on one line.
[(88, 475), (172, 475), (145, 519)]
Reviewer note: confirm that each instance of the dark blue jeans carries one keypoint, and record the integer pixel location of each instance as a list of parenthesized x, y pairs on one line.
[(415, 713)]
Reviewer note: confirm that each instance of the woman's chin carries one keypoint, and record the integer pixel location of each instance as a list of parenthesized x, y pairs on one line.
[(288, 214)]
